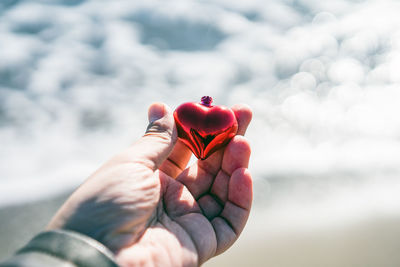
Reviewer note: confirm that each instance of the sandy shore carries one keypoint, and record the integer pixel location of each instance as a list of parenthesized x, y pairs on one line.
[(368, 243), (373, 242)]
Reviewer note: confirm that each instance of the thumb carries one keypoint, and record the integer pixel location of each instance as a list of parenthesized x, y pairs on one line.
[(159, 140)]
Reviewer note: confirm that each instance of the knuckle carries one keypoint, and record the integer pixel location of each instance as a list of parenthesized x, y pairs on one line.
[(158, 128)]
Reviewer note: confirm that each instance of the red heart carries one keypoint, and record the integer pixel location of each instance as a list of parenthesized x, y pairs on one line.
[(205, 128)]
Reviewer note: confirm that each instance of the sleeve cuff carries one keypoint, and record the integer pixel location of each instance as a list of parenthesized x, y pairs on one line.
[(71, 246)]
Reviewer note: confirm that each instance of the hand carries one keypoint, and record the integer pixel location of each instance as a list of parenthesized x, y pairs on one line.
[(151, 211)]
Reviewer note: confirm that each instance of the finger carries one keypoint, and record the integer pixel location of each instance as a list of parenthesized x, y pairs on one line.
[(240, 191), (177, 160), (233, 218), (237, 155), (243, 115), (199, 177), (157, 143)]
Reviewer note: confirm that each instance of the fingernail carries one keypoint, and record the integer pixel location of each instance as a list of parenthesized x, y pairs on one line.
[(156, 112)]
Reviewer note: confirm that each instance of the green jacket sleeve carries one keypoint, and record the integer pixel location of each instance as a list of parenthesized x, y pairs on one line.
[(62, 248)]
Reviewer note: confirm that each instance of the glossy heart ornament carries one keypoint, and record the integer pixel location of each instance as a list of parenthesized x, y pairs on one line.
[(205, 128)]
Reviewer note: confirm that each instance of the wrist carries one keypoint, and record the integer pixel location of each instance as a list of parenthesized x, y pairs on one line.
[(69, 246)]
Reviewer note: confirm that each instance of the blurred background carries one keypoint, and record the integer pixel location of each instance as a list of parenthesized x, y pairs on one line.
[(322, 78)]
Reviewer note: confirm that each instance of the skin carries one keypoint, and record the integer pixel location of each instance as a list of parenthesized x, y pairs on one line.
[(150, 210)]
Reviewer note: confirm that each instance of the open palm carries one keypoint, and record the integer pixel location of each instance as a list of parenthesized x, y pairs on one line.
[(150, 210)]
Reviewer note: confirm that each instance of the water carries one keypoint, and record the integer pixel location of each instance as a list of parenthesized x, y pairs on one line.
[(322, 77)]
